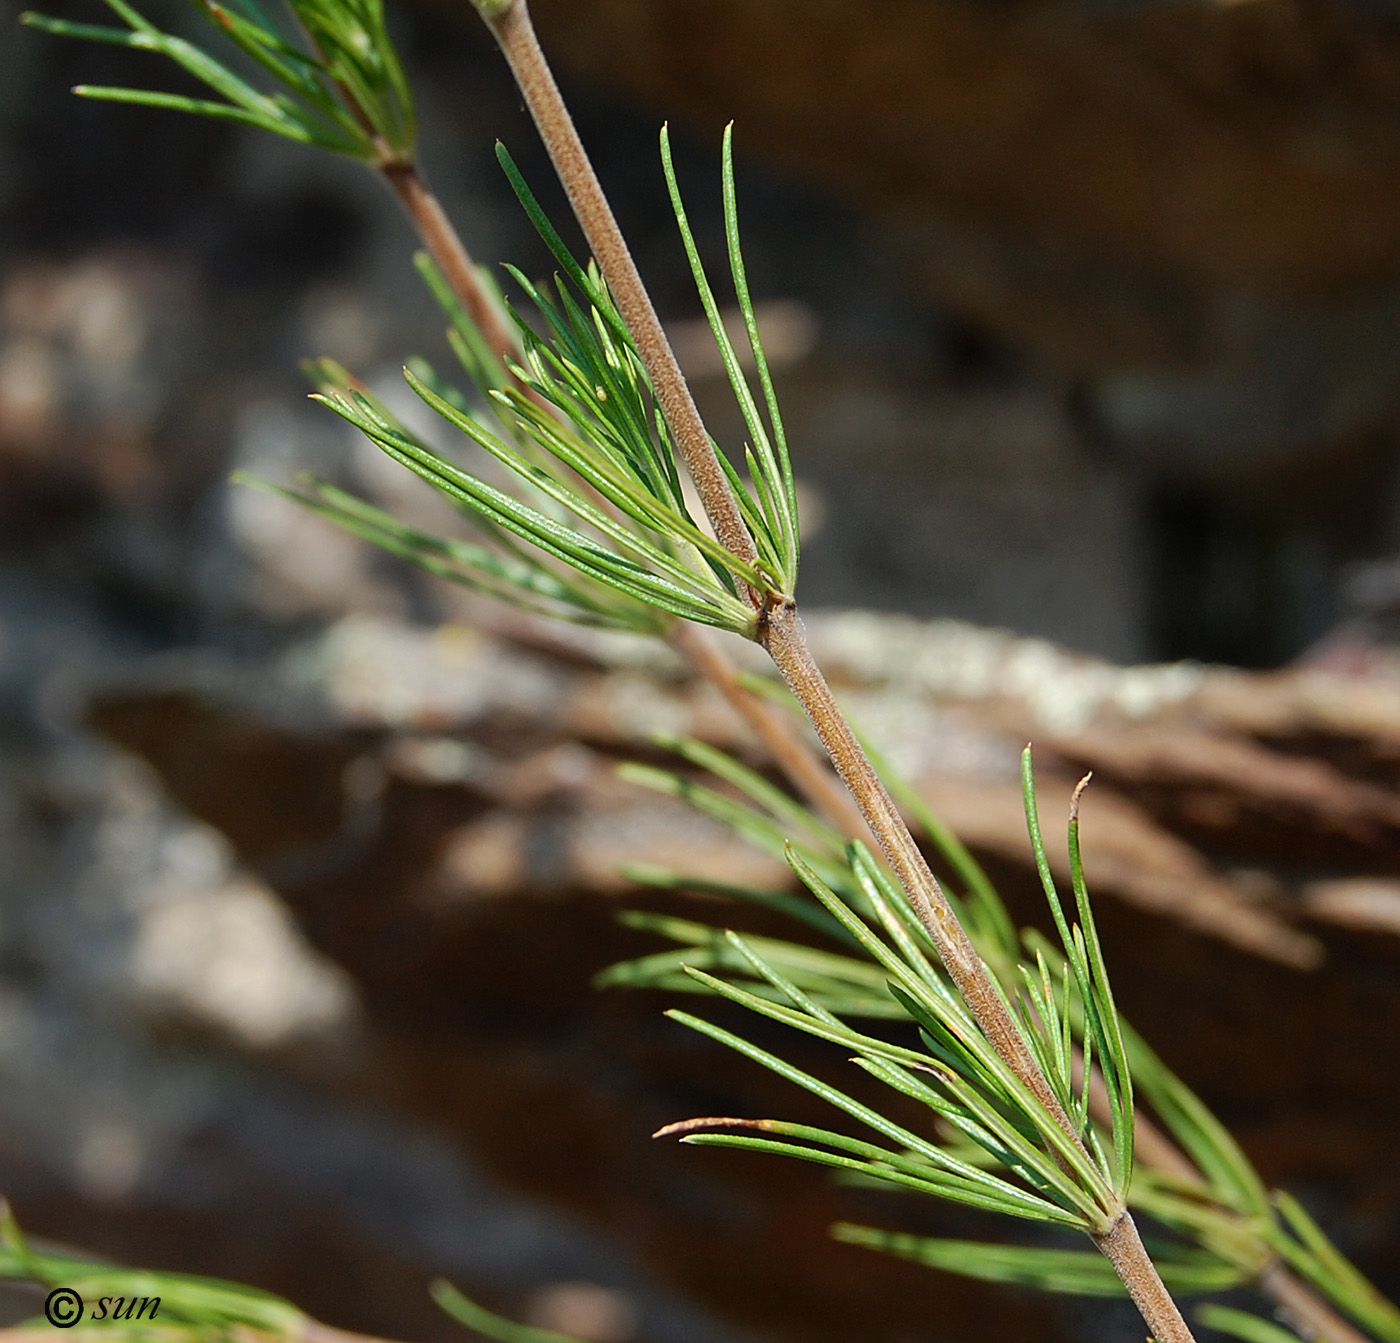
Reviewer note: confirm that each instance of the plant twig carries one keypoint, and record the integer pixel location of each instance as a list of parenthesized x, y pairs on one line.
[(792, 755), (1304, 1308), (781, 635), (1311, 1314), (449, 254), (1123, 1248), (780, 632)]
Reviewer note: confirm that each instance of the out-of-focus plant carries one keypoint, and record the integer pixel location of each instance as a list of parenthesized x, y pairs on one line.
[(340, 88), (1014, 1046), (89, 1299)]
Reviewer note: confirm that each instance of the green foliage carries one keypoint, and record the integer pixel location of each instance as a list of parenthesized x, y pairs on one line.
[(201, 1308), (488, 1323), (1028, 1167), (209, 1310), (1242, 1324), (337, 83), (595, 493), (1304, 1247), (1073, 1272), (575, 419), (770, 508), (871, 962), (1101, 1036)]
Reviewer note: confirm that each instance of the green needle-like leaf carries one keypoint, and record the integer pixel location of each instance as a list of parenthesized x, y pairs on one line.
[(954, 1178), (1244, 1325), (348, 95), (487, 1323), (741, 290), (1074, 1272)]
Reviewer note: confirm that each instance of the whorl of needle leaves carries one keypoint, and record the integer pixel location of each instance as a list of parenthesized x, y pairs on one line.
[(596, 493), (1038, 1172), (1215, 1224), (338, 81), (594, 489)]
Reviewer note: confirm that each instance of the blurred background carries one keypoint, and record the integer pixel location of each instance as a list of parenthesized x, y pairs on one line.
[(1087, 325)]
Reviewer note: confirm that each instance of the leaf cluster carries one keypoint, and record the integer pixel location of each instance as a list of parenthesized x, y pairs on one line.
[(592, 524), (336, 81), (209, 1310), (1220, 1227), (1007, 1153), (595, 526)]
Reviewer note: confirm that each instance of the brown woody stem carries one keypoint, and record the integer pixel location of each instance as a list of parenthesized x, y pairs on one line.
[(1123, 1248), (780, 633), (449, 254)]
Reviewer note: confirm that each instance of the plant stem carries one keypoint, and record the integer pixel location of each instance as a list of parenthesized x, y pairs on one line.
[(780, 632), (792, 755), (781, 635), (1123, 1248), (449, 254), (1304, 1308)]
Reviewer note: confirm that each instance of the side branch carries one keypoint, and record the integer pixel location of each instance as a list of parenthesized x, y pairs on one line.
[(804, 769), (449, 254)]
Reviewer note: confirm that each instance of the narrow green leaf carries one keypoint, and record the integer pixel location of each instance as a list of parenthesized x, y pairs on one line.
[(1034, 1207), (1075, 1272), (998, 944), (564, 543), (790, 813), (741, 290), (747, 822), (488, 1324), (604, 477), (197, 106), (1242, 1324), (1204, 1138), (1102, 1014), (794, 906), (1331, 1273), (930, 1183), (776, 527)]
